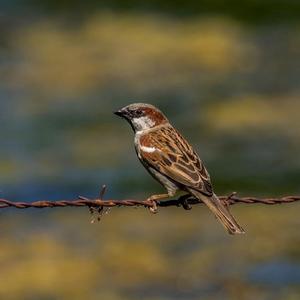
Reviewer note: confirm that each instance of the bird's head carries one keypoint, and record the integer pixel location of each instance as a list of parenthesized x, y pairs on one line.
[(142, 116)]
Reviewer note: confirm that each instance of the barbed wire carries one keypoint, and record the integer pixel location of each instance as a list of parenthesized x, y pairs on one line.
[(185, 201)]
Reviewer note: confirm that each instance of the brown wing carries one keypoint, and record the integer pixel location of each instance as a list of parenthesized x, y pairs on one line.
[(169, 153)]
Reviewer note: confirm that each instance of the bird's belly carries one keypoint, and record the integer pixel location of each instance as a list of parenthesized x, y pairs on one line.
[(170, 186)]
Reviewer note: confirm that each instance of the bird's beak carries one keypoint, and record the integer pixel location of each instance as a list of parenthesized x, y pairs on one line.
[(119, 113), (123, 113)]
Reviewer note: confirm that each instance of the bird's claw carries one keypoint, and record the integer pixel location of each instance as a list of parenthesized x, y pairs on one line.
[(184, 202), (153, 208), (186, 205)]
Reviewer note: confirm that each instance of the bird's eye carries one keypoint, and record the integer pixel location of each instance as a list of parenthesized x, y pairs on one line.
[(138, 113)]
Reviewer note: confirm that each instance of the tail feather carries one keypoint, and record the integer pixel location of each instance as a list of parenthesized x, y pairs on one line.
[(220, 211)]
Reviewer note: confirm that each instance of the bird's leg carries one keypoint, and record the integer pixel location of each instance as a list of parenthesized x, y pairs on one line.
[(155, 198)]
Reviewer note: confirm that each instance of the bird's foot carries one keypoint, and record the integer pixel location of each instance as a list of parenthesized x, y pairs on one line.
[(184, 201), (153, 208), (186, 205), (153, 200)]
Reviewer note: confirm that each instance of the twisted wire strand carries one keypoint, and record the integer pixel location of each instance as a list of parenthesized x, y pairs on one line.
[(183, 201)]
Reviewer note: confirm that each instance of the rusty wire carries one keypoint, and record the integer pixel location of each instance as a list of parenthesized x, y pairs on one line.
[(183, 201)]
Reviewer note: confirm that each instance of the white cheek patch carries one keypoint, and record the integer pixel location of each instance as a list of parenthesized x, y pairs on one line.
[(143, 123), (148, 149)]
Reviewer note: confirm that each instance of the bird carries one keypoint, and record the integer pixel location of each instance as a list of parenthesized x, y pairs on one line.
[(172, 161)]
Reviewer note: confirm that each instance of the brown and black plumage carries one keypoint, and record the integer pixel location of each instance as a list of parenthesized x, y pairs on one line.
[(172, 161)]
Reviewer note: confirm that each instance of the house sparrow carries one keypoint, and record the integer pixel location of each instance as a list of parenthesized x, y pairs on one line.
[(172, 161)]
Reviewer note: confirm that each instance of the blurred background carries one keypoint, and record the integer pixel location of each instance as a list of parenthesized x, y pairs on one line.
[(226, 73)]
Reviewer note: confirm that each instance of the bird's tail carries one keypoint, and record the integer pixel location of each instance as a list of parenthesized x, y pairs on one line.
[(220, 211)]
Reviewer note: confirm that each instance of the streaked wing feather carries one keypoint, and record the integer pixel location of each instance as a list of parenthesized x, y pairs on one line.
[(175, 158)]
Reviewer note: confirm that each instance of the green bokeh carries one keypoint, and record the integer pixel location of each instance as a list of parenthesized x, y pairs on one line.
[(233, 92)]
